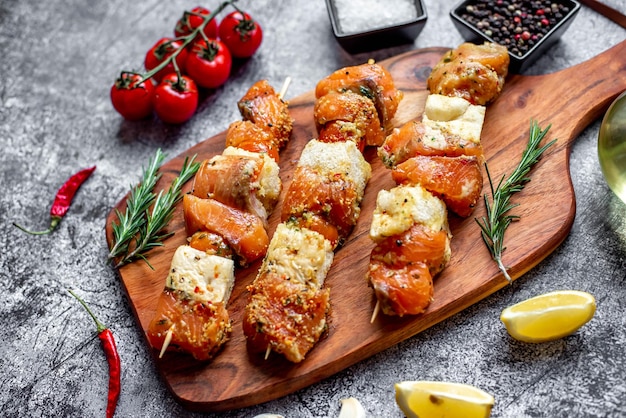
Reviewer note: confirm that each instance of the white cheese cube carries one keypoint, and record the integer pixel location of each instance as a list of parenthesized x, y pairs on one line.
[(204, 277), (299, 254), (454, 116), (401, 207), (337, 158)]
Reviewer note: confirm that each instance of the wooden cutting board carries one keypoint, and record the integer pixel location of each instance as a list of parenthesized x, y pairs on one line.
[(569, 100)]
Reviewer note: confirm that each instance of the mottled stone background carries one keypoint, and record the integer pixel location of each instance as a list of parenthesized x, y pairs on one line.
[(58, 59)]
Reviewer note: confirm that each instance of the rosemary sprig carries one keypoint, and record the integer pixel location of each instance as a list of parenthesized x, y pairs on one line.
[(498, 219), (140, 229), (138, 202)]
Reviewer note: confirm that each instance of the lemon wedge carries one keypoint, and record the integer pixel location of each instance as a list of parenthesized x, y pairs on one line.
[(549, 316), (427, 399)]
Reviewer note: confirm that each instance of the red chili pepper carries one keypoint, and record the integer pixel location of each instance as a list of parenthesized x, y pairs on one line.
[(113, 359), (63, 200)]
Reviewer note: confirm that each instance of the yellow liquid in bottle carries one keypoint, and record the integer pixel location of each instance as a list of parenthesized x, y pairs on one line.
[(612, 146)]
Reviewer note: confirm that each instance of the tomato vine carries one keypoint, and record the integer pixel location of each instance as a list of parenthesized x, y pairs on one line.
[(194, 54)]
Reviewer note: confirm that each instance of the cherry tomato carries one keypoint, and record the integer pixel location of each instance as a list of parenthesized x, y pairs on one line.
[(132, 100), (241, 34), (160, 51), (190, 21), (209, 63), (175, 99)]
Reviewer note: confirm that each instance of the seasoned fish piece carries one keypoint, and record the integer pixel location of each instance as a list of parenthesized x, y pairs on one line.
[(269, 184), (329, 182), (417, 138), (197, 328), (348, 117), (211, 243), (262, 106), (492, 55), (241, 179), (370, 80), (243, 231), (247, 136), (318, 223), (333, 198), (402, 290), (458, 181), (419, 243), (473, 72), (232, 180)]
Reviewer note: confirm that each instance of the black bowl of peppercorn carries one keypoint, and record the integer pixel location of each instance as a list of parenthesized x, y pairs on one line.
[(528, 28)]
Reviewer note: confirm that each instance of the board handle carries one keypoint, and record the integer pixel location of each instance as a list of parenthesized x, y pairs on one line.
[(575, 97)]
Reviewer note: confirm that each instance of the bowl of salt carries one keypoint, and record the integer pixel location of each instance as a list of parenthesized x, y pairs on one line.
[(368, 25)]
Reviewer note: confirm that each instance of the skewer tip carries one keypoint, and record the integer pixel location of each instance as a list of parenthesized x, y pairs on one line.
[(375, 313), (167, 341), (283, 90)]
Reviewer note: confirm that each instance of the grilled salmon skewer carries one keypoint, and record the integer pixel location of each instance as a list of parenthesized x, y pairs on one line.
[(246, 175), (410, 228), (226, 219), (288, 303), (435, 160)]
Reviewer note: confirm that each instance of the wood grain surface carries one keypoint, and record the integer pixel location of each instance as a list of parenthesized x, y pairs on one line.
[(569, 100)]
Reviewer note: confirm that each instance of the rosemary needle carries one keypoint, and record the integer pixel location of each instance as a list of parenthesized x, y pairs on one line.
[(498, 218), (141, 226)]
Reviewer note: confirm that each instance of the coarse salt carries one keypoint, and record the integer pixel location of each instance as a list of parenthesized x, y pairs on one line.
[(364, 15)]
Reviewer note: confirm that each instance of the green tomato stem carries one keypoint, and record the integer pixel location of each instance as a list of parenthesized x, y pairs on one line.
[(186, 41)]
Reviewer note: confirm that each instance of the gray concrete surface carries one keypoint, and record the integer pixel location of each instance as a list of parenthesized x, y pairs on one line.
[(58, 60)]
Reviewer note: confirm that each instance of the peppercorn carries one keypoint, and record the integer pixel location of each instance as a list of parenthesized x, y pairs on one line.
[(516, 24)]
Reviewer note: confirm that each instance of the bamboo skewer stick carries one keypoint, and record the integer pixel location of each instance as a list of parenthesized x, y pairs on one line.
[(375, 313), (168, 340), (284, 88)]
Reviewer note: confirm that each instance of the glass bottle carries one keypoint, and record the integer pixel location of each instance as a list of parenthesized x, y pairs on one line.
[(612, 146)]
